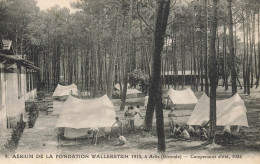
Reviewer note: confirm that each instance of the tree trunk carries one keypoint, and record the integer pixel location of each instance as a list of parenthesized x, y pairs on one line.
[(213, 73), (111, 66), (155, 99), (201, 65), (231, 49), (244, 55), (226, 69), (247, 58), (206, 49), (129, 47), (258, 75)]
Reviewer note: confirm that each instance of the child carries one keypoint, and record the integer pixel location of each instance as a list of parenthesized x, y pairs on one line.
[(94, 131), (127, 117), (171, 120), (191, 131), (177, 131), (120, 126), (146, 101), (138, 117), (203, 133), (121, 140), (185, 134), (132, 113), (197, 133)]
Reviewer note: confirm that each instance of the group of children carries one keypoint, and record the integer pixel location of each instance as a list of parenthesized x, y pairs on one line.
[(131, 115), (186, 131), (132, 118), (198, 132), (102, 133)]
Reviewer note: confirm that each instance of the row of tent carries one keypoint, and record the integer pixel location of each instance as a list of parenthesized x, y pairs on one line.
[(78, 115), (62, 92), (231, 111)]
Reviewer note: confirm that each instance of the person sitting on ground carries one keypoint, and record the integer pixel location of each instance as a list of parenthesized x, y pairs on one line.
[(94, 131), (191, 131), (120, 126), (203, 133), (226, 134), (121, 140), (171, 116), (196, 134), (184, 133), (132, 118), (177, 131)]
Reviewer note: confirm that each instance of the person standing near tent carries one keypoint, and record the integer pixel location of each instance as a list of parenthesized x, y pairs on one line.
[(120, 126), (226, 134), (127, 118), (132, 118), (146, 101), (138, 117), (171, 116)]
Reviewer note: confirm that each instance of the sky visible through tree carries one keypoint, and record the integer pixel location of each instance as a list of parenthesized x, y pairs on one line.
[(46, 4)]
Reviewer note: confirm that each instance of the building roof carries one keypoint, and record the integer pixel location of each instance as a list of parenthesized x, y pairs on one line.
[(19, 60), (6, 53), (187, 72)]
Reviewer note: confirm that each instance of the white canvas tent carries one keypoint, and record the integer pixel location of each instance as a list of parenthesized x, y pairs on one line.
[(61, 90), (130, 92), (230, 111), (186, 96), (78, 115), (117, 86)]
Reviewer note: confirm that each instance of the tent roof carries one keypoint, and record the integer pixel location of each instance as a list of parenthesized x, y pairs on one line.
[(78, 113), (62, 90), (117, 86), (129, 91), (133, 91), (186, 96), (230, 111)]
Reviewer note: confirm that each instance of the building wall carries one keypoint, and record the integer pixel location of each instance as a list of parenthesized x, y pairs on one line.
[(13, 94), (169, 79), (14, 103), (3, 118), (23, 82)]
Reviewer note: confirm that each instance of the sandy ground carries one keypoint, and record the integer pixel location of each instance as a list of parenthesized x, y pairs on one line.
[(42, 138)]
